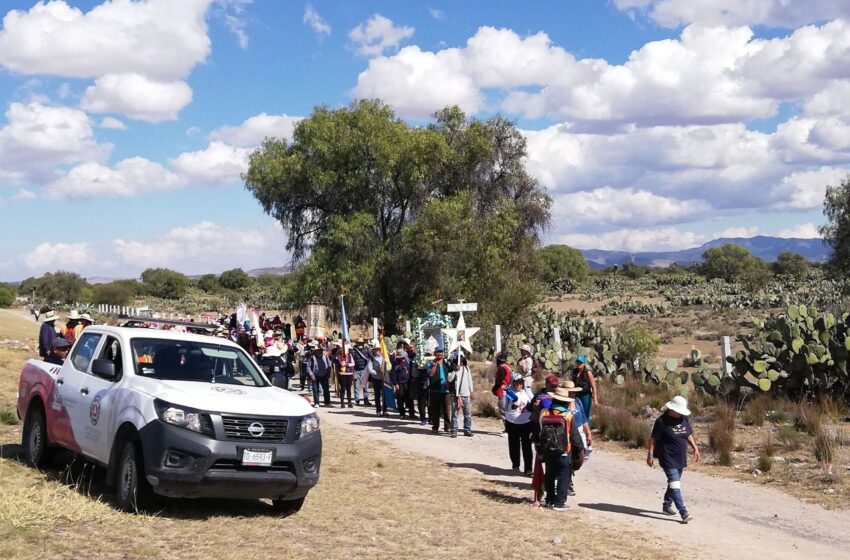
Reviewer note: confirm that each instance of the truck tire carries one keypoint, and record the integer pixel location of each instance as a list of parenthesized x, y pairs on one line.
[(287, 507), (133, 493), (37, 451)]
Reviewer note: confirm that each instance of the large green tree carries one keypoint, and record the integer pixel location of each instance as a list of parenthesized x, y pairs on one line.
[(792, 264), (390, 213), (164, 283), (836, 232), (57, 287), (234, 279), (563, 266)]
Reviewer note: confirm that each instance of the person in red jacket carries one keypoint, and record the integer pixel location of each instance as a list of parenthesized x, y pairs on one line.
[(503, 379)]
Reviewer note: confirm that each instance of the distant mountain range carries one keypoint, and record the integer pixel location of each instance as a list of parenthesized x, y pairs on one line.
[(764, 247)]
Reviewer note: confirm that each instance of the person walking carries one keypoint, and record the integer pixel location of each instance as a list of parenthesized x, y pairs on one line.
[(583, 378), (300, 328), (439, 392), (580, 420), (377, 370), (559, 442), (671, 436), (464, 393), (361, 374), (517, 414), (319, 369), (273, 365), (418, 383), (72, 327), (47, 334), (400, 380), (344, 374)]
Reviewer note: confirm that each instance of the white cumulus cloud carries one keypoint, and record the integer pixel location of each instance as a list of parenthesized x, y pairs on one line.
[(773, 13), (111, 123), (316, 22), (129, 177), (255, 129), (378, 34), (216, 165), (635, 240), (50, 257), (137, 97), (806, 230)]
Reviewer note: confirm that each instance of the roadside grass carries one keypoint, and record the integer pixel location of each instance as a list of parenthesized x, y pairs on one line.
[(721, 435)]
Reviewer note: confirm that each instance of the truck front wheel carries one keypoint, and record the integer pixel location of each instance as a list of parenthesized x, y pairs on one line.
[(287, 507), (133, 491), (34, 440)]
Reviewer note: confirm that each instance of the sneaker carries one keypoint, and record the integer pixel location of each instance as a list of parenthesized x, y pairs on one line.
[(350, 405), (315, 405), (435, 431), (454, 434), (367, 404), (527, 473), (384, 414), (571, 492), (687, 518), (422, 423), (467, 434), (668, 510), (564, 507)]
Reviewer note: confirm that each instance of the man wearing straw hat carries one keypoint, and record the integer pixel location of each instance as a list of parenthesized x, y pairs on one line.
[(671, 436), (47, 334), (559, 440)]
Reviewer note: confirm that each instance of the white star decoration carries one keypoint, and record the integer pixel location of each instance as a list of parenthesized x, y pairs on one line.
[(460, 336)]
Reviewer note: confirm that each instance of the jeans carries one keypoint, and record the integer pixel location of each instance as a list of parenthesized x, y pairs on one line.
[(345, 382), (380, 402), (361, 385), (559, 474), (440, 405), (466, 405), (403, 400), (673, 495), (587, 403), (519, 436), (324, 383)]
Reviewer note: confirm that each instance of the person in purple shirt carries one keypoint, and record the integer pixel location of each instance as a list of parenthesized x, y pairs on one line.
[(47, 334)]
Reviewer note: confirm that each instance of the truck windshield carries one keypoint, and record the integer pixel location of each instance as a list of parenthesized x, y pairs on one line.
[(181, 360)]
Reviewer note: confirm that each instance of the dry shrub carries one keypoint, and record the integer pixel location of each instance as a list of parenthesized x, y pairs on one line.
[(8, 417), (823, 447), (809, 418), (764, 463), (789, 437), (619, 425), (721, 433), (485, 405), (832, 408), (755, 411), (768, 446)]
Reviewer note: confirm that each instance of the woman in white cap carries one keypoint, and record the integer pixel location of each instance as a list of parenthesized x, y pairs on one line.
[(525, 365), (671, 436), (517, 413)]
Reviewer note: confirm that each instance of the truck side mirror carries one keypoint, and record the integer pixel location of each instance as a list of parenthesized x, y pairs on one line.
[(103, 368)]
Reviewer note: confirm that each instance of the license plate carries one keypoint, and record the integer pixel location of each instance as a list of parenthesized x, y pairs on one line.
[(257, 458)]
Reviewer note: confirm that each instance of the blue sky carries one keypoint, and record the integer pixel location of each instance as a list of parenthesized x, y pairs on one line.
[(655, 124)]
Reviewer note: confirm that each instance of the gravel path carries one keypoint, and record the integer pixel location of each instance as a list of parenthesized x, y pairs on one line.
[(732, 519)]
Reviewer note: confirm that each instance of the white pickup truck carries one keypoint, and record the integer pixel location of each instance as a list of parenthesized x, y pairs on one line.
[(174, 414)]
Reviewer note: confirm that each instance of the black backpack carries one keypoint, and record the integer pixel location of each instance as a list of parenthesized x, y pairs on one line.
[(553, 434)]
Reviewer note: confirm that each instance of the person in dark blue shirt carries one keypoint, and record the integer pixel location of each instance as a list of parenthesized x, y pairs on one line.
[(671, 436), (47, 334)]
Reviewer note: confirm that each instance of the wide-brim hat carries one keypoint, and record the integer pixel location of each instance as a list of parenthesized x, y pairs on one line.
[(525, 348), (272, 351), (86, 317), (406, 341), (49, 316), (282, 346), (678, 404), (561, 394), (570, 386), (73, 315)]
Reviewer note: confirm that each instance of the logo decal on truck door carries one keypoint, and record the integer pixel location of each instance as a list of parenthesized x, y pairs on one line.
[(94, 409)]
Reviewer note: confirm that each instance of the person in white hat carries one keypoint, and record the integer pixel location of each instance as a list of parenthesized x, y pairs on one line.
[(274, 366), (47, 334), (671, 436), (72, 327), (525, 365), (558, 442)]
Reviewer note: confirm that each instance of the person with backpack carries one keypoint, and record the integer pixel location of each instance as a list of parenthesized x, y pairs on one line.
[(502, 380), (400, 380), (377, 368), (583, 377), (671, 436), (464, 393), (580, 420), (517, 414), (319, 369), (561, 447), (360, 354)]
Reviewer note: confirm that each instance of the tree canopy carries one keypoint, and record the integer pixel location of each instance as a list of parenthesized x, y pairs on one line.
[(164, 283), (792, 264), (390, 213), (563, 266), (57, 287), (836, 232), (234, 279), (7, 295)]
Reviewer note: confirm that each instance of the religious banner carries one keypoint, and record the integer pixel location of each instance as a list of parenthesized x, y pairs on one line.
[(315, 320)]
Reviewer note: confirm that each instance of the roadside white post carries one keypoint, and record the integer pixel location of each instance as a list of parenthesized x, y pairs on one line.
[(407, 330), (725, 352), (556, 334), (374, 328), (497, 336)]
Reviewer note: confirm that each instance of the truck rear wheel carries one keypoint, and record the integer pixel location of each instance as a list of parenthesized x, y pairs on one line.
[(133, 492), (288, 507), (37, 451)]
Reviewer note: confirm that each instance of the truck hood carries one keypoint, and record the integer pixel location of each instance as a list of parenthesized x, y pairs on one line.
[(234, 399)]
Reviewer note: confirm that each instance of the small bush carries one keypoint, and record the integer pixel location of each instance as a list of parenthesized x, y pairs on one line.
[(485, 406), (768, 446), (789, 437), (764, 463), (833, 409), (809, 418), (9, 418), (619, 425), (823, 448), (755, 411), (721, 433)]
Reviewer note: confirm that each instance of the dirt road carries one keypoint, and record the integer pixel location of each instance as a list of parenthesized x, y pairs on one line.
[(732, 519)]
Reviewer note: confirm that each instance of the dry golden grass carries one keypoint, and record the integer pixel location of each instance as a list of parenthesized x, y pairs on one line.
[(373, 501)]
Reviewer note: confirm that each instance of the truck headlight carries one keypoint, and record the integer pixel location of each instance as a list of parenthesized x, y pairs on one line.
[(309, 424), (184, 417)]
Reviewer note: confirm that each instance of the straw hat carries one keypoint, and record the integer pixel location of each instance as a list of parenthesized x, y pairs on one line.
[(678, 404), (50, 316), (570, 386), (86, 317), (526, 348), (73, 315), (272, 351), (561, 394)]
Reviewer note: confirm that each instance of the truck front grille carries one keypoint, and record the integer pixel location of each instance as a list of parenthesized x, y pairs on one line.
[(254, 429)]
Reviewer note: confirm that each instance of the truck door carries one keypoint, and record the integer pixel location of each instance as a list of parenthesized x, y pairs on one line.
[(100, 401), (68, 389)]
